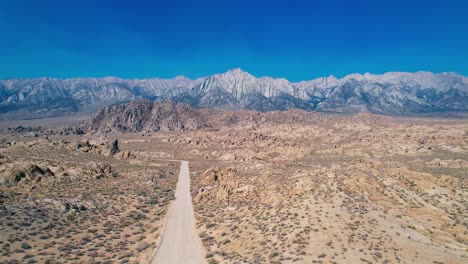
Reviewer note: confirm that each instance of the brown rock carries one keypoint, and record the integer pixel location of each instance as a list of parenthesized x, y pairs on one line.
[(23, 171)]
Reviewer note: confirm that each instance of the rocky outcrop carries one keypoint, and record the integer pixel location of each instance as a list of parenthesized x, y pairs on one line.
[(144, 115), (217, 183), (24, 172), (147, 116), (3, 159), (101, 170)]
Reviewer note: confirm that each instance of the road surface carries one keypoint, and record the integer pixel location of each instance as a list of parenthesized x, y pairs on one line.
[(180, 242)]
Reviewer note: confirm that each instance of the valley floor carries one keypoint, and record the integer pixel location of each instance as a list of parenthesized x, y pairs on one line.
[(348, 189)]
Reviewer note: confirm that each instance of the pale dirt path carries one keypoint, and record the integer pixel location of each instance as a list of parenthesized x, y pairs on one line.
[(180, 242)]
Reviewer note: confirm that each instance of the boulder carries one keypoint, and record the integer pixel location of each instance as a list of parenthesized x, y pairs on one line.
[(228, 157), (4, 143), (101, 170), (72, 206), (114, 147), (3, 159), (217, 183)]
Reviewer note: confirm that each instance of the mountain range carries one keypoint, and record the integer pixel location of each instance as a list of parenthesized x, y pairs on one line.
[(392, 93)]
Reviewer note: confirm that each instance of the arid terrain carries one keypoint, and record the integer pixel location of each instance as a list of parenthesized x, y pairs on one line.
[(348, 191), (278, 187), (70, 200)]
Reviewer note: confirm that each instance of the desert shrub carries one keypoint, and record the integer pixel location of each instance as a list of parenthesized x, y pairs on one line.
[(25, 246), (71, 216), (210, 225), (86, 240), (142, 247), (274, 254)]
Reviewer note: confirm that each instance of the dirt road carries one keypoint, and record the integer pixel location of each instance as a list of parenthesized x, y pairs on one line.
[(180, 242)]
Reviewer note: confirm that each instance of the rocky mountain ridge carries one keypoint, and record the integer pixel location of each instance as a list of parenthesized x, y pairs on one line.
[(148, 116), (390, 93)]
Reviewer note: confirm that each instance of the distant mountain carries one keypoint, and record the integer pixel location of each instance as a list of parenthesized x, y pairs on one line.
[(237, 89), (50, 97), (390, 93)]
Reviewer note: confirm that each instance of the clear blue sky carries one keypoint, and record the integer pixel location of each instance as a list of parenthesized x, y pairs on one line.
[(293, 39)]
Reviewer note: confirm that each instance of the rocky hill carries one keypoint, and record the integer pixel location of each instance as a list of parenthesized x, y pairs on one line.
[(148, 116), (145, 115), (390, 93)]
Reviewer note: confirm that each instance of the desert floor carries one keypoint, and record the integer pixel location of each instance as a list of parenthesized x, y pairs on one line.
[(349, 189)]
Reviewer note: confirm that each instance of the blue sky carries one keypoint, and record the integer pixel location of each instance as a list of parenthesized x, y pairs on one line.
[(297, 40)]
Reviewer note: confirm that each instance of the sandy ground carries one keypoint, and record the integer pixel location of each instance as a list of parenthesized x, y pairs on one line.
[(180, 242), (51, 122), (91, 216)]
